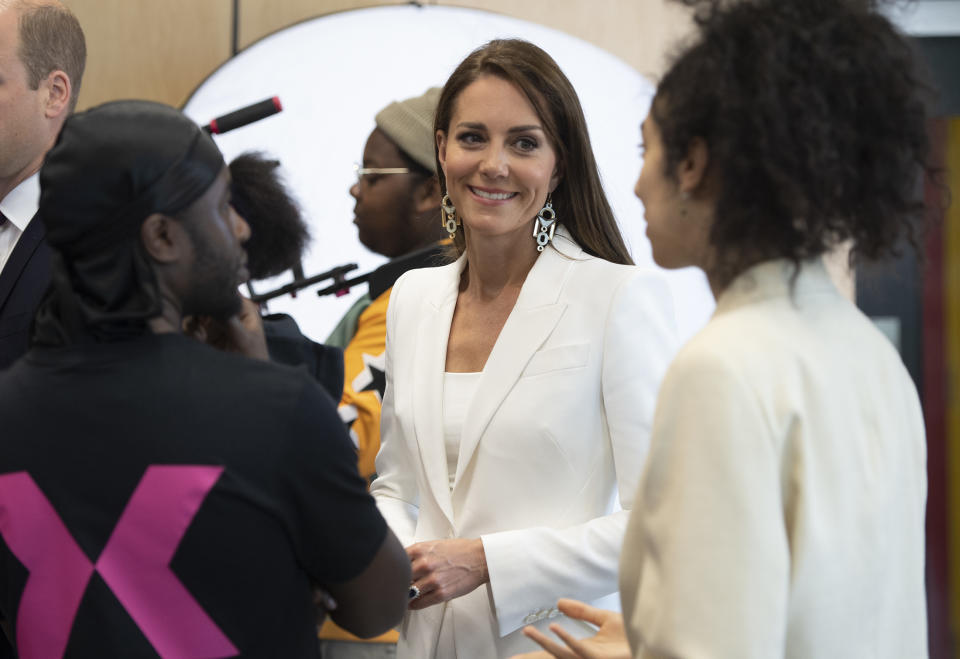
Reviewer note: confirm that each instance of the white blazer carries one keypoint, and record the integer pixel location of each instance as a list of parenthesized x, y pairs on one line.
[(781, 513), (557, 431)]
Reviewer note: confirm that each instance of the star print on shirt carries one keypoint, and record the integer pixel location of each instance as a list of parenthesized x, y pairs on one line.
[(349, 415), (373, 377)]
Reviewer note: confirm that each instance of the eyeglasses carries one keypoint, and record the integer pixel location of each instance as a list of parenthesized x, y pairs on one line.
[(376, 171)]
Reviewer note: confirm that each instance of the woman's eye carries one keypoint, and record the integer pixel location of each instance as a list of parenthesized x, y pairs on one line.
[(470, 138), (526, 144)]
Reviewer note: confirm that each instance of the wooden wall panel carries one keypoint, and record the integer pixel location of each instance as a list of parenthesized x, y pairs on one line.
[(258, 18), (162, 49), (153, 49), (639, 33)]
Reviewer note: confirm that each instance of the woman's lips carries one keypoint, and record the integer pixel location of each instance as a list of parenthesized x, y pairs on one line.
[(492, 195)]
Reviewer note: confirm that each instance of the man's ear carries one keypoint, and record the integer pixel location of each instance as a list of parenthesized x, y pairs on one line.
[(426, 196), (692, 170), (164, 238), (58, 88)]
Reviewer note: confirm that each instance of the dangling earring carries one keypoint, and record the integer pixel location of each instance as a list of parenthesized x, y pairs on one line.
[(545, 224), (450, 211), (684, 198)]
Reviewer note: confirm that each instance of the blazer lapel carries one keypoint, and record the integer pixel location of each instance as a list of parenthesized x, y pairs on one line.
[(530, 323), (22, 252), (430, 359)]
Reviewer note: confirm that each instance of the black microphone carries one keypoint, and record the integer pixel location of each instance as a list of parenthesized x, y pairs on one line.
[(245, 115)]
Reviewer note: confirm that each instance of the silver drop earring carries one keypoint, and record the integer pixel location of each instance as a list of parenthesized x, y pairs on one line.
[(450, 211), (545, 224)]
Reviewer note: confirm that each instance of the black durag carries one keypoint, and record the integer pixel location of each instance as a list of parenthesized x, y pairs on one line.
[(111, 168)]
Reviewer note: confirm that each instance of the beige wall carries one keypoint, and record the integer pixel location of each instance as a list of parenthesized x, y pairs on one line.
[(154, 49), (637, 31), (163, 49)]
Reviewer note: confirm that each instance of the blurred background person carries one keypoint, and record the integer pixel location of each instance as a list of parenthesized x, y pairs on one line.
[(278, 238), (397, 214), (42, 57), (521, 378), (781, 512)]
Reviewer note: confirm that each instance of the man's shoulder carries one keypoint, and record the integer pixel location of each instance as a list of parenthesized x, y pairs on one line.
[(237, 373)]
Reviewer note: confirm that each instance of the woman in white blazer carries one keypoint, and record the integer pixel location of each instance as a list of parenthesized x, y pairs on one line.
[(781, 512), (521, 378)]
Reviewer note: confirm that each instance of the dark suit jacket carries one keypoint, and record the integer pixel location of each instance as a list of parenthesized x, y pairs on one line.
[(23, 281), (287, 345)]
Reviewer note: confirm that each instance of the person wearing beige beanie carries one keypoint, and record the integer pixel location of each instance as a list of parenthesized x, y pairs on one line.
[(397, 214), (397, 194)]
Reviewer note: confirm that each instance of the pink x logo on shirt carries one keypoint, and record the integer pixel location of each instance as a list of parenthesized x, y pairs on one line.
[(135, 564)]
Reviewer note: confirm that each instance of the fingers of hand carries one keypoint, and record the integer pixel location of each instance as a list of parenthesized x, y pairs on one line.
[(324, 600), (249, 316), (432, 591), (420, 568), (415, 551), (582, 611), (578, 646), (548, 644)]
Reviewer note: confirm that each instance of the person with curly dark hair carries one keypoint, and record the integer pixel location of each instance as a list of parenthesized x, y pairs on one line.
[(781, 509), (278, 237), (278, 233)]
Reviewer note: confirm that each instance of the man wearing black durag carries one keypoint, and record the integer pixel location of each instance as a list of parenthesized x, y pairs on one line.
[(159, 496)]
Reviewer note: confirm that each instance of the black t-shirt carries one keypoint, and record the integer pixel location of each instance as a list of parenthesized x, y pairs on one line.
[(158, 497)]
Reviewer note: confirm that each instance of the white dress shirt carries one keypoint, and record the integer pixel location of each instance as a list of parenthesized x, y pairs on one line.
[(19, 207)]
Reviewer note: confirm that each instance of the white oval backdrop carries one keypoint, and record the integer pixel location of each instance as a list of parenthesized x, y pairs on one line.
[(334, 73)]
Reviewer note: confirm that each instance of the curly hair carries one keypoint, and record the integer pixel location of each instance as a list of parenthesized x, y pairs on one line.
[(814, 118), (278, 234), (581, 203)]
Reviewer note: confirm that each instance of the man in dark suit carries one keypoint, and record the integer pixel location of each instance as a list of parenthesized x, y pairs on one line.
[(42, 56)]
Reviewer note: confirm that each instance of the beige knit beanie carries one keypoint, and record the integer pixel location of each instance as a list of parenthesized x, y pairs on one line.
[(409, 123)]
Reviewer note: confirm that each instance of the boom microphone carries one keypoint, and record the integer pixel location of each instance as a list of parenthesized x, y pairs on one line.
[(245, 115)]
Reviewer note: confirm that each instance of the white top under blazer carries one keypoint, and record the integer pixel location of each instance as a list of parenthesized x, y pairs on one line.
[(555, 436)]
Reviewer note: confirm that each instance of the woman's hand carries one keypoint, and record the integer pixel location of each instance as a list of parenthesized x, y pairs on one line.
[(610, 641), (446, 569)]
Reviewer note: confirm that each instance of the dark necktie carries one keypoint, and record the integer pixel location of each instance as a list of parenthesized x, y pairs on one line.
[(3, 219)]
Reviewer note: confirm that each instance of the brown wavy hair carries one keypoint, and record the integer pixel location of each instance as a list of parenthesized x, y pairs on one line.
[(579, 199), (815, 121)]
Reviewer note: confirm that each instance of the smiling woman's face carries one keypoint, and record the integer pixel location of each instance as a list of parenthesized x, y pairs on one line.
[(498, 162)]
